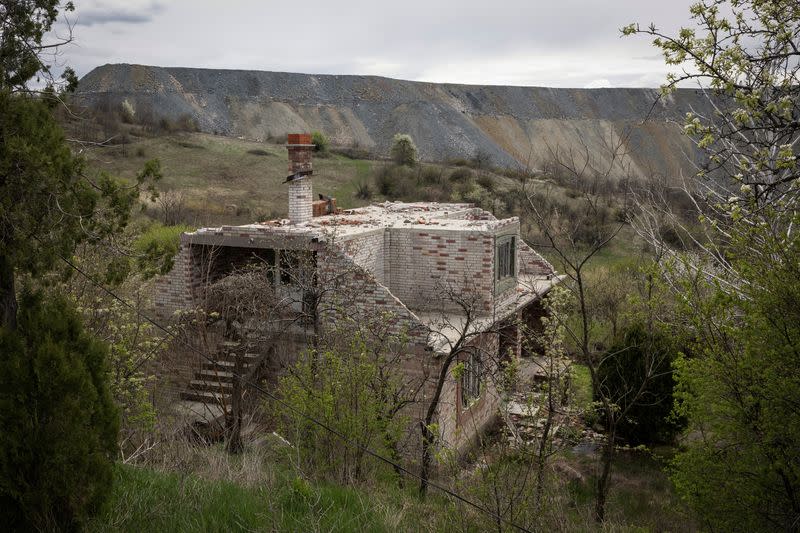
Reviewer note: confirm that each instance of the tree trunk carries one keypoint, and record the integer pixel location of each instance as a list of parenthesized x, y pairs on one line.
[(605, 475), (235, 432), (427, 457), (8, 295)]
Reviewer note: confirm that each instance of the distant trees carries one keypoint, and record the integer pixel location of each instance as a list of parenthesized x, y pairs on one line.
[(59, 421), (404, 151), (739, 290)]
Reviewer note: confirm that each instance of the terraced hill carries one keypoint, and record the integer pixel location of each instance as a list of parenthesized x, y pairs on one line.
[(516, 126)]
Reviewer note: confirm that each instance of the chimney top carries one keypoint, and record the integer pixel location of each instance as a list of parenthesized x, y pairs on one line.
[(299, 140), (300, 147)]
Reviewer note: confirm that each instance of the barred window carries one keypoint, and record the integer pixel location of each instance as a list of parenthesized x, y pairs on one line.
[(471, 378), (506, 258)]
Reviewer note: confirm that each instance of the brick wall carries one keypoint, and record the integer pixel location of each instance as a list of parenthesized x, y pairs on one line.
[(367, 251), (354, 291), (420, 262), (300, 201), (173, 290), (531, 262)]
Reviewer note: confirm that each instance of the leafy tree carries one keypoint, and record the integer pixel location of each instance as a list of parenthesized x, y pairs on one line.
[(24, 26), (320, 142), (59, 422), (741, 469), (404, 151), (741, 394), (47, 202)]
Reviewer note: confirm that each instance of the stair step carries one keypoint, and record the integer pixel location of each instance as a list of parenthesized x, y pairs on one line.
[(214, 375), (216, 386), (208, 397), (230, 344), (219, 366)]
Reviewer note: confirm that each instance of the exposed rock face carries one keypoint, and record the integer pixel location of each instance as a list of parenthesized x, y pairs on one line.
[(514, 125)]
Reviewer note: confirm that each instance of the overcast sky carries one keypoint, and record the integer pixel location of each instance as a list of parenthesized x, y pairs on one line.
[(556, 43)]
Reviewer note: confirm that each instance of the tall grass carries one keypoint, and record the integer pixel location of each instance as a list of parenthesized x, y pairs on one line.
[(148, 500)]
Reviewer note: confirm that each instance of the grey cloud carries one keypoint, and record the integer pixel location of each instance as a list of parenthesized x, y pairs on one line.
[(98, 16), (520, 42)]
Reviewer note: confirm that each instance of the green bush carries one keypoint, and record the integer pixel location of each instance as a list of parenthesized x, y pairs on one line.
[(347, 389), (404, 151), (431, 175), (60, 425), (320, 142), (363, 190), (385, 182), (461, 175), (626, 363), (156, 248), (486, 181)]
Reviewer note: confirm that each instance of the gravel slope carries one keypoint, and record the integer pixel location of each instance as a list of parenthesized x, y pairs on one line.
[(516, 125)]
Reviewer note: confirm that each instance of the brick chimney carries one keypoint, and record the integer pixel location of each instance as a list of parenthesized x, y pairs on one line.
[(300, 170)]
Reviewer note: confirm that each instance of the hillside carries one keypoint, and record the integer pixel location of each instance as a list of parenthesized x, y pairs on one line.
[(516, 126)]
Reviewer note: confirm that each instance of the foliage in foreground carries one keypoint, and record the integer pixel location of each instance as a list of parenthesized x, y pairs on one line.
[(348, 390), (59, 421), (741, 391), (741, 470)]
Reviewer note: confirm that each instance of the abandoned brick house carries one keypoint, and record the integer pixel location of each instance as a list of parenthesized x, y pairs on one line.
[(402, 262)]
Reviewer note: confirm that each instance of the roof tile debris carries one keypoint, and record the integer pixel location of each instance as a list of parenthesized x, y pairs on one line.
[(351, 222)]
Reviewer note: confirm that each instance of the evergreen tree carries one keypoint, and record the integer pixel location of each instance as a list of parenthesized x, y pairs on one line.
[(648, 420), (59, 421)]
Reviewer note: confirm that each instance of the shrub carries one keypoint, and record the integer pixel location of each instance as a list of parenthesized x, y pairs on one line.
[(128, 112), (385, 182), (156, 248), (346, 389), (486, 181), (649, 420), (59, 421), (259, 152), (404, 151), (461, 175), (319, 141), (363, 190), (431, 175)]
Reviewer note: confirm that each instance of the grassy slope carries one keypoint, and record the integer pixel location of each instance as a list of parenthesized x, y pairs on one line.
[(221, 176)]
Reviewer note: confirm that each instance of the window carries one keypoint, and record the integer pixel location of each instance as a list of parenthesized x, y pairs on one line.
[(505, 261), (471, 378)]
